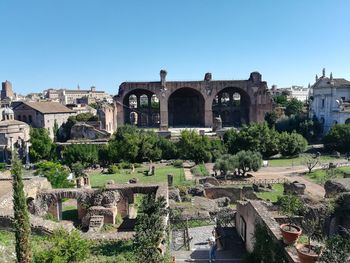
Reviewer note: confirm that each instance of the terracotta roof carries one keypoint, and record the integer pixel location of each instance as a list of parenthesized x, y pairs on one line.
[(48, 107)]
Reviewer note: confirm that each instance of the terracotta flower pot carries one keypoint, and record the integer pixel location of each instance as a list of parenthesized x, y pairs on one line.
[(290, 236), (304, 255)]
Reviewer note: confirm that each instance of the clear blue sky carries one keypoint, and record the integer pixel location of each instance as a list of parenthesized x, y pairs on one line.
[(52, 44)]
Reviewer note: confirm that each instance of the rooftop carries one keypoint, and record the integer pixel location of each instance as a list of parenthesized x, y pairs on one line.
[(47, 107)]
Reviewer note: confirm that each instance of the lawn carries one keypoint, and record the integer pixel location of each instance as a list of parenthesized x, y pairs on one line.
[(272, 196), (297, 161), (321, 176), (161, 176)]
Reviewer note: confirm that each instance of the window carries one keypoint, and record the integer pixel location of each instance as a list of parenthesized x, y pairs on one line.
[(343, 98), (30, 118), (322, 103)]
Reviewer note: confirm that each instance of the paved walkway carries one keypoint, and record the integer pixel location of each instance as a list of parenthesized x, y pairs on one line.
[(199, 252), (188, 174)]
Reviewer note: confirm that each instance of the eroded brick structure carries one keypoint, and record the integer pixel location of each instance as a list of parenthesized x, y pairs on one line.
[(193, 103)]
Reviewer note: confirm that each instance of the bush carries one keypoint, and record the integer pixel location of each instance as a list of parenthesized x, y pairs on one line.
[(178, 163), (199, 170), (87, 154), (338, 138), (64, 247), (291, 144), (55, 173), (113, 169), (125, 165)]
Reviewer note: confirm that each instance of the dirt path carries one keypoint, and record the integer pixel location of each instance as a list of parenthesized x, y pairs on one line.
[(188, 174), (291, 174)]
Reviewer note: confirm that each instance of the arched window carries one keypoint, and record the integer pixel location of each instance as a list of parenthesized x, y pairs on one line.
[(143, 101), (154, 102), (133, 118), (225, 99), (132, 101), (236, 99)]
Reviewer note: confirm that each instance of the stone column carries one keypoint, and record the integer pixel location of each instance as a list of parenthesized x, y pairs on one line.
[(163, 101), (139, 111), (119, 114), (208, 112)]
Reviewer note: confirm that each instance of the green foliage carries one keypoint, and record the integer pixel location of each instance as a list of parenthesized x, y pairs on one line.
[(280, 100), (289, 205), (78, 169), (2, 167), (265, 249), (113, 169), (41, 145), (200, 170), (310, 129), (86, 154), (21, 216), (168, 148), (55, 173), (338, 138), (337, 250), (193, 146), (255, 137), (271, 118), (294, 107), (85, 117), (291, 144), (64, 247), (178, 163), (150, 229), (239, 164)]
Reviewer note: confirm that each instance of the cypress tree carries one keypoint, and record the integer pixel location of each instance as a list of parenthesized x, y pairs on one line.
[(21, 222)]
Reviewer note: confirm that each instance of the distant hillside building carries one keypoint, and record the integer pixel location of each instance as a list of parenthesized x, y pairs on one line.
[(70, 96), (6, 90), (330, 100), (42, 114), (299, 92), (107, 116)]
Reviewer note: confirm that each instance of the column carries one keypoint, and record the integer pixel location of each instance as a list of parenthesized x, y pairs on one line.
[(163, 101)]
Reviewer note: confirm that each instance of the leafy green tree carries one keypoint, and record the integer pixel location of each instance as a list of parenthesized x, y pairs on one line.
[(193, 146), (255, 137), (85, 117), (41, 145), (294, 107), (21, 216), (86, 154), (64, 247), (271, 118), (291, 144), (55, 173), (168, 148), (150, 229), (280, 100), (247, 161), (338, 138), (78, 169)]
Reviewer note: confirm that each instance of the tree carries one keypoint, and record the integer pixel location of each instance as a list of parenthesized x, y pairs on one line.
[(55, 173), (150, 229), (255, 137), (247, 161), (193, 146), (338, 138), (271, 118), (86, 154), (310, 161), (64, 247), (291, 144), (294, 107), (41, 145), (280, 100), (21, 216)]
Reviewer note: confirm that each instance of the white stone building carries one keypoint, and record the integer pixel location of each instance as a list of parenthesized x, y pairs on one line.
[(330, 101), (70, 96)]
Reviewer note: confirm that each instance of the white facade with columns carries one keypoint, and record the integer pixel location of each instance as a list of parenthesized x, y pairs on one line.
[(330, 101)]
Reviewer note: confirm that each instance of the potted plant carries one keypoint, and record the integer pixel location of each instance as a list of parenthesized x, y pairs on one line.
[(313, 224), (289, 205)]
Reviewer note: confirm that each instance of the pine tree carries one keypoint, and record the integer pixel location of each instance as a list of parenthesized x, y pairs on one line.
[(21, 223)]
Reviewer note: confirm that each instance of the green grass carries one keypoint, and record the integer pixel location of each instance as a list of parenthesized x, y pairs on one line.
[(321, 176), (296, 161), (200, 170), (272, 196), (161, 173), (69, 212)]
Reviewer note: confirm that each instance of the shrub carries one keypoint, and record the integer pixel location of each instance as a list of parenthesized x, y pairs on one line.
[(291, 144), (125, 165), (64, 247), (338, 138), (55, 173), (113, 169), (178, 163), (200, 170), (86, 154)]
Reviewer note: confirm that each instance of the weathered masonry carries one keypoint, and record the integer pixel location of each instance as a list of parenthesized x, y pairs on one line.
[(166, 104)]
